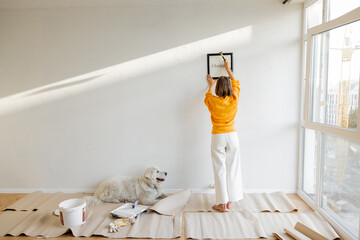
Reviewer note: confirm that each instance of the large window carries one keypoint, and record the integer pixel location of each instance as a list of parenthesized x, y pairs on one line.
[(330, 131), (335, 75)]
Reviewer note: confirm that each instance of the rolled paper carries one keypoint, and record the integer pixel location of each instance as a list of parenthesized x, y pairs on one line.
[(282, 236), (296, 234), (309, 232)]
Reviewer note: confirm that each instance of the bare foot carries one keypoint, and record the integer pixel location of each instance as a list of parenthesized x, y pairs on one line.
[(220, 207), (228, 205)]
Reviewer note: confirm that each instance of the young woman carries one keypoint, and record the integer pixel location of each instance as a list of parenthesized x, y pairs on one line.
[(225, 151)]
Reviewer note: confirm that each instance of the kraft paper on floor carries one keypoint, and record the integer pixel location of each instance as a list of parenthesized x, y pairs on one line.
[(276, 222), (173, 204), (33, 216), (246, 224), (216, 225), (147, 225), (254, 202)]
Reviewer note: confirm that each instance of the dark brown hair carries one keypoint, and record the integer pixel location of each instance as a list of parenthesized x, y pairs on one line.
[(223, 87)]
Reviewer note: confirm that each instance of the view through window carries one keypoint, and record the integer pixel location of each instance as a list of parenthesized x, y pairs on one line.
[(335, 76)]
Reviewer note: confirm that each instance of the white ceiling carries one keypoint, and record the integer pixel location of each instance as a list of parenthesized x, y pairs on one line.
[(45, 4)]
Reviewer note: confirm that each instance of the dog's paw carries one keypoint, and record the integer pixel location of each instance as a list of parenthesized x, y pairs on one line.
[(114, 201)]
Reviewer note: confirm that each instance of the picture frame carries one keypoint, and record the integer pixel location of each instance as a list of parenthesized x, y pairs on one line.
[(215, 64)]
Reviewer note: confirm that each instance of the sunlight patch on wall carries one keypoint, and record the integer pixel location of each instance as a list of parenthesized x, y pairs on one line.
[(126, 70)]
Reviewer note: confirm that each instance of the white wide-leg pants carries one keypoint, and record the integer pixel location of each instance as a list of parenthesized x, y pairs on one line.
[(225, 153)]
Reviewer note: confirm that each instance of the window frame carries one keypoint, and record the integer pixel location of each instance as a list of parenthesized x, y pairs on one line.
[(348, 134), (321, 129)]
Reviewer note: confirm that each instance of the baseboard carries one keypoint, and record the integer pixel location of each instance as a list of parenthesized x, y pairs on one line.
[(172, 190), (270, 190), (47, 190), (208, 190)]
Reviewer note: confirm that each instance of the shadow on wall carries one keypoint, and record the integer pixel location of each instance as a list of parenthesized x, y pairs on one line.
[(123, 71)]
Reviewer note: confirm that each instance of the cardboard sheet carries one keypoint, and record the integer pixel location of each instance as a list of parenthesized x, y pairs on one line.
[(276, 222), (33, 216), (254, 202)]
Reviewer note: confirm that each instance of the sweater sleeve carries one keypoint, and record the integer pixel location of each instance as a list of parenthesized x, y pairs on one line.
[(208, 97), (236, 88)]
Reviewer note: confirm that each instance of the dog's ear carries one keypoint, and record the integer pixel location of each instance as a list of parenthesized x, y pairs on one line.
[(149, 173)]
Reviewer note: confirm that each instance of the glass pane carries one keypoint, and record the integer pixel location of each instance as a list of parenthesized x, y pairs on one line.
[(310, 156), (334, 76), (338, 8), (341, 180), (314, 14)]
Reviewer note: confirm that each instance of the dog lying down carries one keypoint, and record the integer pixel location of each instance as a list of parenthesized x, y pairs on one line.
[(128, 189)]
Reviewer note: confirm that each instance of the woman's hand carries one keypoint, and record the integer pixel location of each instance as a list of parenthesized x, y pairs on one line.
[(210, 80)]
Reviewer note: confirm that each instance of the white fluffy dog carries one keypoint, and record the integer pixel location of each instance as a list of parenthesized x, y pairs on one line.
[(128, 189)]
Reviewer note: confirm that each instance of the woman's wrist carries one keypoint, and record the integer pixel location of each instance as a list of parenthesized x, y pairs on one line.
[(211, 87)]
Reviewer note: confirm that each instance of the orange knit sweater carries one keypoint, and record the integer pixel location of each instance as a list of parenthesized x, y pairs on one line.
[(223, 110)]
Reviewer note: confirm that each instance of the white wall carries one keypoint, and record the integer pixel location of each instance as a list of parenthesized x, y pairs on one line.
[(61, 129)]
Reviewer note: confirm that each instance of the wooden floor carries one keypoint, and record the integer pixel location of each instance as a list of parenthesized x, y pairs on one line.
[(8, 198)]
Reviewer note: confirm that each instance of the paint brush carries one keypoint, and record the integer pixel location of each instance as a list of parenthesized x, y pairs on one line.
[(222, 55)]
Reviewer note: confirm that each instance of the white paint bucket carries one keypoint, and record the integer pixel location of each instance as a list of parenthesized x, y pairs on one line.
[(72, 212)]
